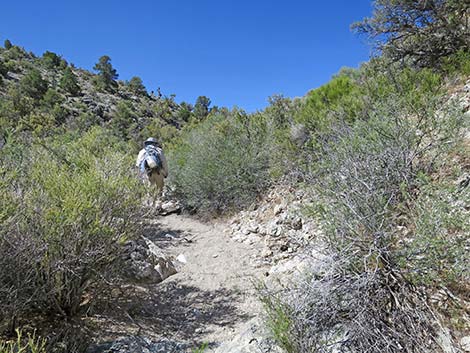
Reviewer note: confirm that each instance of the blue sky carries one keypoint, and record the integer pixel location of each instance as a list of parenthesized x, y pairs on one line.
[(237, 53)]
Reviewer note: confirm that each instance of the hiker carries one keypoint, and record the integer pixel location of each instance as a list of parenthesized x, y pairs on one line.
[(152, 164)]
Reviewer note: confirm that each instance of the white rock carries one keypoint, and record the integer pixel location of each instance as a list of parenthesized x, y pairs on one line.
[(465, 343), (278, 209), (181, 258)]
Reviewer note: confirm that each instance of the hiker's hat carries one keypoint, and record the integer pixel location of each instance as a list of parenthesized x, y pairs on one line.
[(150, 141)]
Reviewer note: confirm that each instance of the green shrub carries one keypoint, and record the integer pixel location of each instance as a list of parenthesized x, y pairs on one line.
[(436, 253), (3, 68), (339, 99), (70, 204), (123, 120), (33, 85), (51, 60), (69, 82), (221, 164), (458, 63), (368, 174)]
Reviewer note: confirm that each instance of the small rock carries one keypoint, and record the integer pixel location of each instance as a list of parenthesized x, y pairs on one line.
[(465, 343), (170, 207), (181, 258), (215, 255), (297, 223), (266, 253), (278, 209)]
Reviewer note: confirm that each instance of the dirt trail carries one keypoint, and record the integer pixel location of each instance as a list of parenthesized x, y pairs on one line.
[(212, 295)]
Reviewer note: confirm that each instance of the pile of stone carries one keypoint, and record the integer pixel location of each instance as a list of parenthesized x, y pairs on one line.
[(278, 222)]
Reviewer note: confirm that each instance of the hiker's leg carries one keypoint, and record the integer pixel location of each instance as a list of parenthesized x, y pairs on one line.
[(156, 182), (159, 183)]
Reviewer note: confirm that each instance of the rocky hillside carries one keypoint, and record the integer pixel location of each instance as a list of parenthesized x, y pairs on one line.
[(46, 94)]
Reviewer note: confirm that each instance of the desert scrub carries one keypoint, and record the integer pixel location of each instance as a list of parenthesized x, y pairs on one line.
[(222, 163), (438, 253), (368, 178), (71, 204)]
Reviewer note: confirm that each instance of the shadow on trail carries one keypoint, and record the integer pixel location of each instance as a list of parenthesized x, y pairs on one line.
[(165, 237), (170, 310), (190, 311)]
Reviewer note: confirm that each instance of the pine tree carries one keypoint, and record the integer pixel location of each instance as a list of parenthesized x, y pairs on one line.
[(106, 74), (7, 44), (137, 86)]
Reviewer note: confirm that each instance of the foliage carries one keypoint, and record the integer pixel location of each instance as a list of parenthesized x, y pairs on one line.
[(136, 86), (436, 255), (31, 344), (423, 31), (201, 107), (69, 82), (107, 75), (33, 85), (7, 44), (367, 176), (123, 119), (458, 63), (221, 164), (3, 68), (339, 99), (65, 213), (202, 348), (51, 60), (184, 112)]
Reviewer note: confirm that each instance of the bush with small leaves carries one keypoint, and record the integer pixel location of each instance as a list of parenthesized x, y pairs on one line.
[(33, 85), (3, 68), (67, 206), (221, 164), (69, 83), (366, 179), (51, 60)]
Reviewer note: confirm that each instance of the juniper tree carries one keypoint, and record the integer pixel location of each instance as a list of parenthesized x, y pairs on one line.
[(107, 75), (69, 82), (137, 86)]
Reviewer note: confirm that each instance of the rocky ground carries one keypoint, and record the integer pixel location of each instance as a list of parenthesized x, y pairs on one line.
[(211, 299)]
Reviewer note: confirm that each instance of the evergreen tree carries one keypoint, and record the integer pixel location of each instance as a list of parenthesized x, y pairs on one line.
[(33, 85), (7, 44), (201, 108), (69, 82), (184, 112), (136, 86), (51, 60), (106, 74), (423, 31)]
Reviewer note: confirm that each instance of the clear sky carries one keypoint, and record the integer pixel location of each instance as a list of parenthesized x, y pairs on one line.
[(236, 52)]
